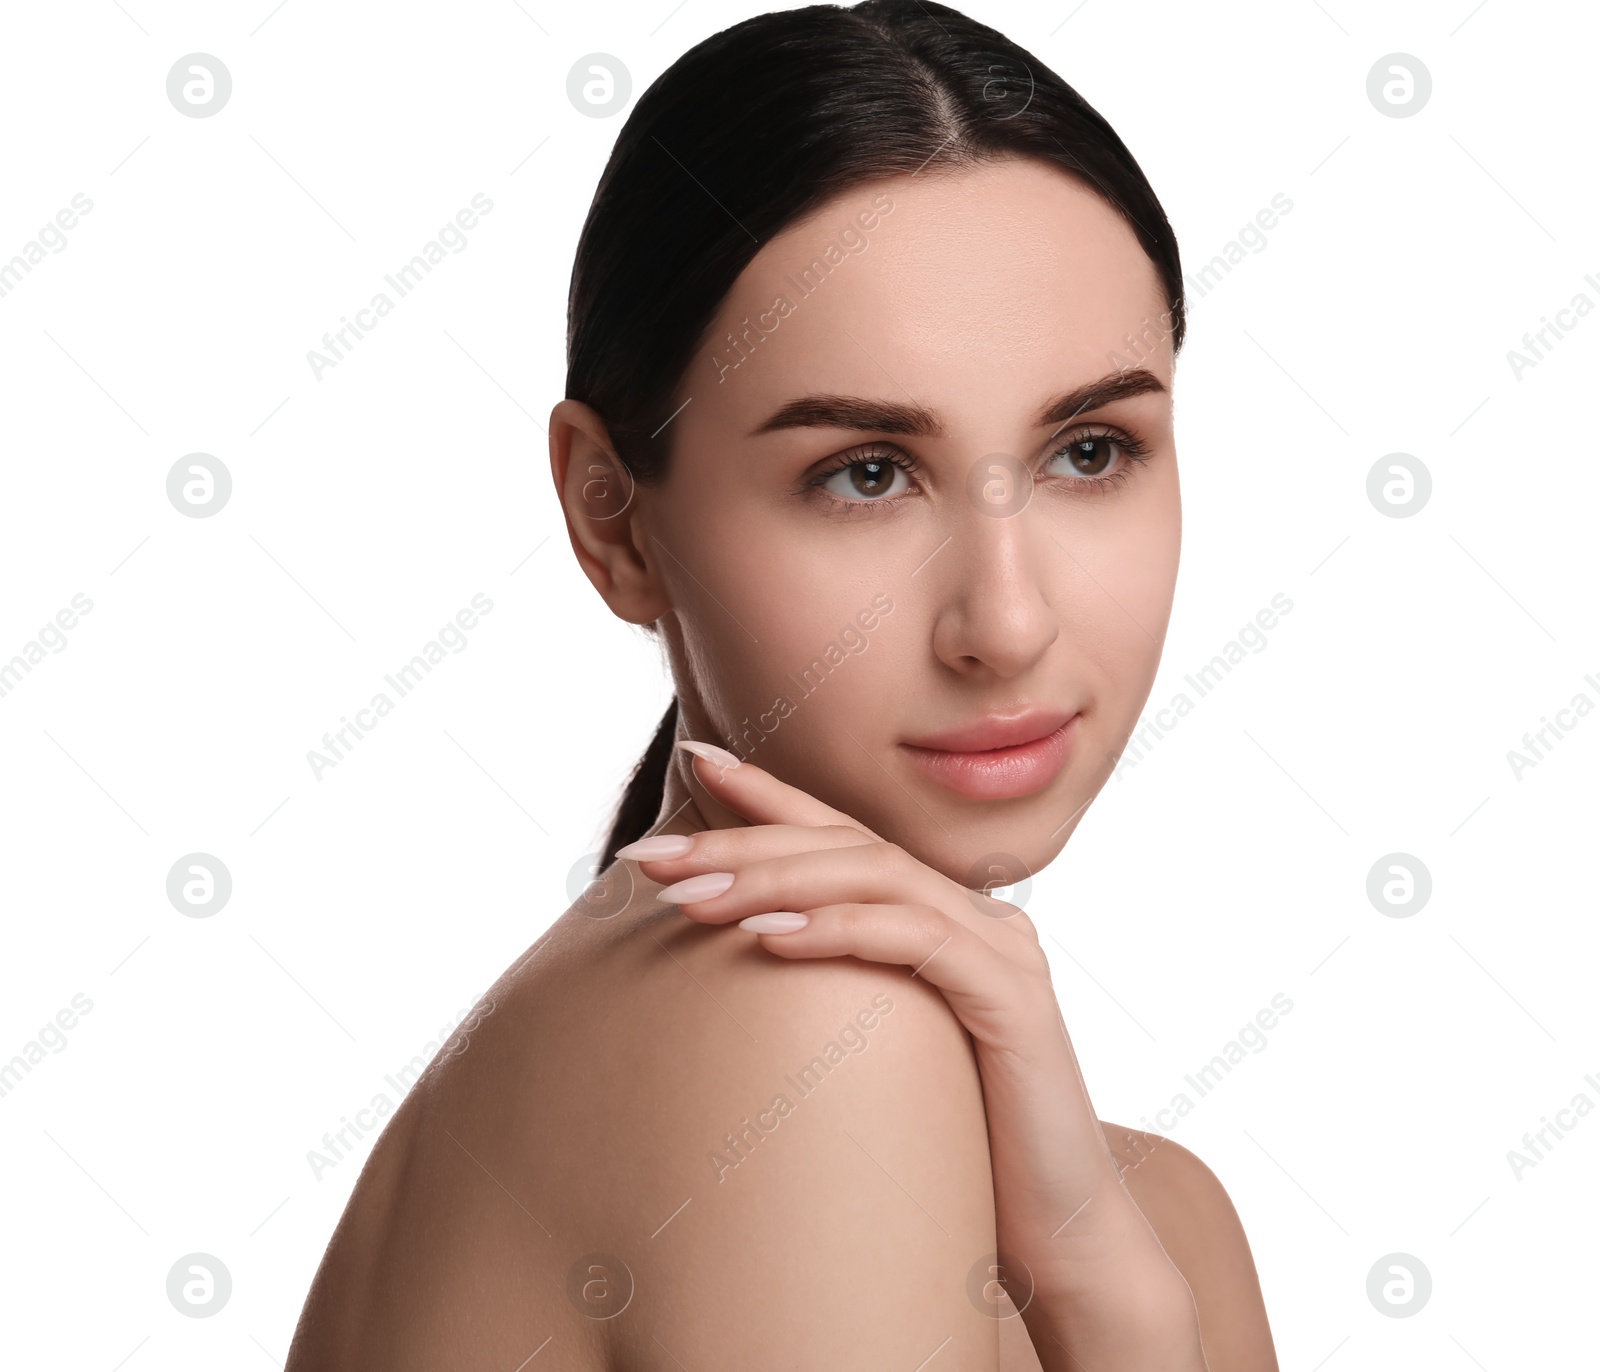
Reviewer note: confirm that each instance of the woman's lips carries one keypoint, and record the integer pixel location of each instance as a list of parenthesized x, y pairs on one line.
[(999, 773)]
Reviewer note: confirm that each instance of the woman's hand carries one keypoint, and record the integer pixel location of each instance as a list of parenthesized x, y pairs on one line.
[(1105, 1296)]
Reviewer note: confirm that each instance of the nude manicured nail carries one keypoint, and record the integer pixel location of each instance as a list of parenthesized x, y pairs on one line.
[(657, 846), (778, 922), (690, 889), (709, 751)]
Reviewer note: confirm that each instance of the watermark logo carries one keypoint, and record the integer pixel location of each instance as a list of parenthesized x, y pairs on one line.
[(199, 1285), (999, 485), (1399, 885), (1398, 485), (999, 1286), (1009, 92), (598, 85), (999, 877), (199, 885), (199, 85), (1399, 85), (600, 1285), (1399, 1285), (597, 894), (609, 489), (199, 485)]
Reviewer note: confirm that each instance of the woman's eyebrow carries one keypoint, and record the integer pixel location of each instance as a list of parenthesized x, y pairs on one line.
[(1113, 386), (890, 416)]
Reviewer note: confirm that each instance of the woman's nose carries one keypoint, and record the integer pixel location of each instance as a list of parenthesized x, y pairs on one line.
[(993, 611)]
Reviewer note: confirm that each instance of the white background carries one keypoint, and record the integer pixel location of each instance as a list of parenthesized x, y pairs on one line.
[(371, 907)]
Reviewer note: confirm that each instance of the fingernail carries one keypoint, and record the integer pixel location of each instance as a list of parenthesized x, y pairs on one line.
[(657, 846), (709, 751), (778, 922), (702, 887)]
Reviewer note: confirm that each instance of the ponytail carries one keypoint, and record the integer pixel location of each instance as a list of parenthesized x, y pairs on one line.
[(641, 802)]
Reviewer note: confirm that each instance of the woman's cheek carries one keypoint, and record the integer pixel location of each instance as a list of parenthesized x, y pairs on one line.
[(764, 634), (1120, 574), (1124, 568)]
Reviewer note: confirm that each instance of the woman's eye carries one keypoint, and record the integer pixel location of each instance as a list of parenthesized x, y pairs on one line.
[(867, 480), (1093, 455)]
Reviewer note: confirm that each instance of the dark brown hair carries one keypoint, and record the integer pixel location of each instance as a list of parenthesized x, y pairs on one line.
[(755, 128)]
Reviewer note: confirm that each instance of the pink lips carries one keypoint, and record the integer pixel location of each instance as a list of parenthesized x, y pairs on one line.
[(998, 757)]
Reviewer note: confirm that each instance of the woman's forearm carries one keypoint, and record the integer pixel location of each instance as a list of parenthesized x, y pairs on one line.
[(1102, 1293), (1136, 1315)]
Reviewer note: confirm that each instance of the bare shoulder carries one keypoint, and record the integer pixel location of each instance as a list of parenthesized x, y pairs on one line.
[(1195, 1219), (448, 1252), (798, 1159), (659, 1136)]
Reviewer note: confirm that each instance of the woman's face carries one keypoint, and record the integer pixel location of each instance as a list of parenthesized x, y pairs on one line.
[(923, 479)]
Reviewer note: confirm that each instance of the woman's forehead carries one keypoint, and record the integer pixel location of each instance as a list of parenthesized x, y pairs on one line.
[(951, 351), (1007, 265)]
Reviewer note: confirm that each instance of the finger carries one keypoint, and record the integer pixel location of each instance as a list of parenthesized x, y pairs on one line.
[(867, 873), (879, 874), (978, 982), (715, 850), (756, 794)]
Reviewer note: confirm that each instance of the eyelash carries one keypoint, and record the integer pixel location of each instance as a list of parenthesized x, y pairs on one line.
[(1133, 450)]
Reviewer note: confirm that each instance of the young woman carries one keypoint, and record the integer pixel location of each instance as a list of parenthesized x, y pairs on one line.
[(869, 415)]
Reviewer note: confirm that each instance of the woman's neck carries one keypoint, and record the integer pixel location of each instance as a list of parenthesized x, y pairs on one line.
[(686, 806)]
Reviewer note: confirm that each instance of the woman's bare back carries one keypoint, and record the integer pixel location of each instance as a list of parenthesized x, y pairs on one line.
[(663, 1147)]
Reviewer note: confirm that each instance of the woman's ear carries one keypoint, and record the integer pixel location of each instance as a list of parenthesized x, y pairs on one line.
[(604, 519)]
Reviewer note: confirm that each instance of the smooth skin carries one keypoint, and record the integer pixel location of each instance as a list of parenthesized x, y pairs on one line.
[(1106, 1292), (1120, 1275), (570, 1156)]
